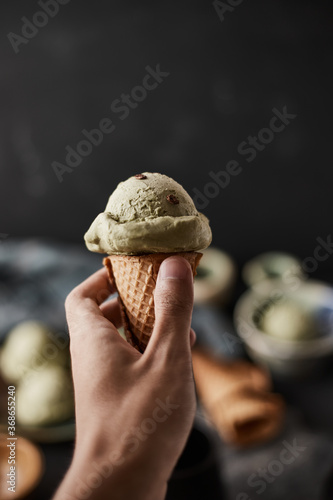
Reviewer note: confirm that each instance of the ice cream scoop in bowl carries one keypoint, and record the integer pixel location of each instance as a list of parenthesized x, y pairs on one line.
[(288, 330)]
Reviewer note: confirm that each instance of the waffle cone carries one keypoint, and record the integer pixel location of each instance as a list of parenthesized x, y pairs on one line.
[(134, 277), (237, 397)]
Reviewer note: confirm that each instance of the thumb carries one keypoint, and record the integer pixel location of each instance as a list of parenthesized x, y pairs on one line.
[(173, 299)]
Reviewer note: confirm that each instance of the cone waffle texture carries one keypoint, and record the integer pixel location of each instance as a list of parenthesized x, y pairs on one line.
[(134, 277)]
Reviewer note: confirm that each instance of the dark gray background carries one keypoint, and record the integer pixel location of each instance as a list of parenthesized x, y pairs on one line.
[(225, 78)]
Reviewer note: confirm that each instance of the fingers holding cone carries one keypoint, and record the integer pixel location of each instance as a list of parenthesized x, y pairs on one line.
[(137, 280)]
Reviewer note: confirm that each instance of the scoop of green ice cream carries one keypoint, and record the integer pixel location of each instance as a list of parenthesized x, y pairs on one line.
[(149, 213), (45, 396), (29, 345), (288, 321)]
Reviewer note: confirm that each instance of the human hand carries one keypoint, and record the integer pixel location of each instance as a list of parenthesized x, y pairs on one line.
[(133, 411)]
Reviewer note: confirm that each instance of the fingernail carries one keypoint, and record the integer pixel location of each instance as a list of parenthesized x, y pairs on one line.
[(174, 268)]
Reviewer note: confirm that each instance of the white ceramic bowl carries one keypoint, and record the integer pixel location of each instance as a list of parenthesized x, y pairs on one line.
[(281, 356)]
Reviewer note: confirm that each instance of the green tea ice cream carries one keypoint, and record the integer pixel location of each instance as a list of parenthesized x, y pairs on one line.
[(149, 213), (147, 218)]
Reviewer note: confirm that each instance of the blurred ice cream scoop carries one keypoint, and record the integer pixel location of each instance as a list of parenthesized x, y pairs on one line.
[(45, 397), (288, 320), (30, 345)]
